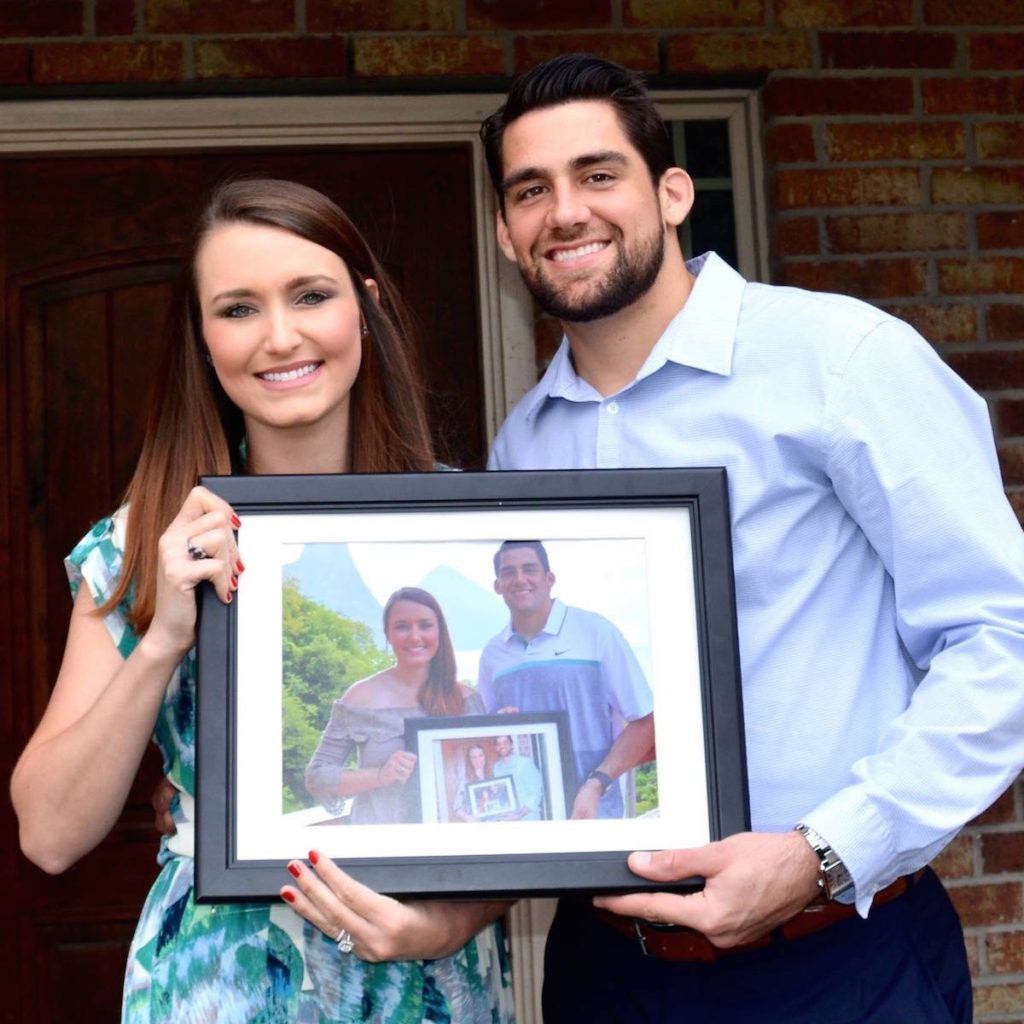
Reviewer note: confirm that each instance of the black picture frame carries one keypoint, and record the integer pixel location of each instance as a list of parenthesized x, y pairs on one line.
[(663, 531)]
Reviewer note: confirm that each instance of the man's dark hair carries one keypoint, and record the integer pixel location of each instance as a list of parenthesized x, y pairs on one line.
[(581, 76), (534, 545)]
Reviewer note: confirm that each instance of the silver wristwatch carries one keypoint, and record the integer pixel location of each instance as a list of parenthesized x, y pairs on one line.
[(833, 878)]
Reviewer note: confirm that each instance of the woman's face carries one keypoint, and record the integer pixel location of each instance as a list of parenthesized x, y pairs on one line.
[(281, 323), (478, 760), (413, 632)]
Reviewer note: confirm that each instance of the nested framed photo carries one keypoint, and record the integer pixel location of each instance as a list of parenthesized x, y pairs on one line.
[(469, 684)]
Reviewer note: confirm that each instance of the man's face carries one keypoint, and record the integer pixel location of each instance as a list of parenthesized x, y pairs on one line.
[(503, 745), (522, 582), (582, 220)]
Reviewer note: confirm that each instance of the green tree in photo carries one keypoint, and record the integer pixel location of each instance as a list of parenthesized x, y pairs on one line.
[(323, 654)]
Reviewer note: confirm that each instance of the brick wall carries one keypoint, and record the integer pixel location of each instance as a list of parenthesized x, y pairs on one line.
[(894, 138)]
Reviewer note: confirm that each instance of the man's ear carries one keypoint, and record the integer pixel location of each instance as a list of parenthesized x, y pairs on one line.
[(497, 588), (551, 579), (371, 287), (504, 240), (675, 193)]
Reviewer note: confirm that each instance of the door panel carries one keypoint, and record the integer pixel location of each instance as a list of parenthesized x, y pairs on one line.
[(88, 250)]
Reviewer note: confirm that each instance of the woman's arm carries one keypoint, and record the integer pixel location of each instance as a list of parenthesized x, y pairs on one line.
[(71, 781)]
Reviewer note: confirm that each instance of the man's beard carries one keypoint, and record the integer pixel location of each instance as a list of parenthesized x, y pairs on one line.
[(632, 276)]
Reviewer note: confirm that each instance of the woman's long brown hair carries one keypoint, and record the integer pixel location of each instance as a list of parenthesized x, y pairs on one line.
[(440, 693), (194, 429)]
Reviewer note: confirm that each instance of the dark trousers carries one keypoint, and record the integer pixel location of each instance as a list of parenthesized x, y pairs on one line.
[(905, 964)]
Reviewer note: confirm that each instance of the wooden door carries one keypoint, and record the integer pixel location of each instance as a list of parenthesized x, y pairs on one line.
[(88, 250)]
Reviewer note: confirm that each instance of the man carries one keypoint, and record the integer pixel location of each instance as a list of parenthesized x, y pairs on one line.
[(879, 582), (524, 774), (551, 657)]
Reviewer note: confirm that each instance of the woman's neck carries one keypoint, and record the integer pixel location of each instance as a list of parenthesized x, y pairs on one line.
[(309, 448)]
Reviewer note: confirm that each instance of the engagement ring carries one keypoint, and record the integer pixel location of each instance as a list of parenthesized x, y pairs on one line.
[(345, 941), (195, 551)]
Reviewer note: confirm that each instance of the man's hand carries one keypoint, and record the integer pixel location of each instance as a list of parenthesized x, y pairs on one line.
[(587, 798), (753, 882), (162, 798)]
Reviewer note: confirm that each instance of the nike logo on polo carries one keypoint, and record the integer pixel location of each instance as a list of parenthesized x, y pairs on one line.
[(566, 651)]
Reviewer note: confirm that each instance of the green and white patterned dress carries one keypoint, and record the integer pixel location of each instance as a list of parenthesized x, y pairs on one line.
[(243, 963)]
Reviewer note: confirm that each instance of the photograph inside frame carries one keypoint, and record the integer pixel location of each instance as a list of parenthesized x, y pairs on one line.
[(384, 648)]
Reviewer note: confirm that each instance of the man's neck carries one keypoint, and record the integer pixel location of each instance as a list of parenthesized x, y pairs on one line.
[(531, 625), (608, 353)]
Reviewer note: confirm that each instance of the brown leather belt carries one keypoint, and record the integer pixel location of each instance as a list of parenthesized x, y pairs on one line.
[(667, 942)]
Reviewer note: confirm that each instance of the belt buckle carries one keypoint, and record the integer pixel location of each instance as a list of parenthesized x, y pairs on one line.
[(637, 928)]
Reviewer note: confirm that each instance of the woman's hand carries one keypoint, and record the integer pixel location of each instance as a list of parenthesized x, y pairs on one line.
[(382, 928), (204, 527), (397, 769)]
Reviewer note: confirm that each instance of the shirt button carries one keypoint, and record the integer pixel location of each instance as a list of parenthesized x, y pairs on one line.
[(612, 408)]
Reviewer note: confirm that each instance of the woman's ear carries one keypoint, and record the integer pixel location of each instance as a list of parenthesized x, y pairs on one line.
[(371, 287)]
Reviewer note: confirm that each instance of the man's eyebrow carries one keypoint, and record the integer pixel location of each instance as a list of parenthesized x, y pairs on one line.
[(577, 163)]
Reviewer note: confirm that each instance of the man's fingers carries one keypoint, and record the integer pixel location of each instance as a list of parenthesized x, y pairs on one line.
[(689, 910), (675, 865)]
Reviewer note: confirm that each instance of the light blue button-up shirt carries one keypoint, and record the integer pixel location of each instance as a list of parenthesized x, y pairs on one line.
[(879, 567)]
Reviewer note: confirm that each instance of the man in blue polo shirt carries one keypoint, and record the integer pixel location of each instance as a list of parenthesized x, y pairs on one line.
[(551, 657), (524, 774)]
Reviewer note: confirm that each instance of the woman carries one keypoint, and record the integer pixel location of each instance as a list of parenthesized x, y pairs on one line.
[(477, 770), (287, 353), (371, 716)]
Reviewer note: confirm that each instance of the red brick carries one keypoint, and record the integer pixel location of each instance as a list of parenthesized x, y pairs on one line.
[(887, 49), (374, 16), (939, 140), (547, 333), (1017, 504), (990, 370), (82, 63), (271, 58), (954, 322), (996, 274), (1010, 420), (784, 97), (636, 50), (889, 186), (1003, 230), (13, 64), (1002, 851), (998, 999), (797, 237), (789, 143), (693, 13), (31, 18), (201, 17), (115, 17), (971, 12), (1005, 952), (987, 904), (865, 279), (541, 15), (972, 95), (1005, 323), (973, 956), (978, 185), (957, 859), (1001, 51), (897, 232), (739, 51), (999, 140), (1004, 809), (414, 56), (1011, 465), (830, 13)]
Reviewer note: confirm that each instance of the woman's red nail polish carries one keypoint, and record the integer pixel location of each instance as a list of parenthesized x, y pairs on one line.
[(289, 897), (234, 581), (228, 599), (240, 565), (236, 522), (293, 869), (314, 857)]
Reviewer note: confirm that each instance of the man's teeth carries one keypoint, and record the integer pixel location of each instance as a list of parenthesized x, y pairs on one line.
[(302, 371), (573, 254)]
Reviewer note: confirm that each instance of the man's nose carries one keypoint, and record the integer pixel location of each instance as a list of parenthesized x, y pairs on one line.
[(567, 209)]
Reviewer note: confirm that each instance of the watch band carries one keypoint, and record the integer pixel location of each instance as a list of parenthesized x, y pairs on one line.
[(833, 878), (602, 777)]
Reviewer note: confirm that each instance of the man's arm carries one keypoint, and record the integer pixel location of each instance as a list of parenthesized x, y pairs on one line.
[(630, 748)]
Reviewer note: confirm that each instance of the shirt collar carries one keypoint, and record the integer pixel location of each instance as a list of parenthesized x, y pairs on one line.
[(701, 335), (553, 626)]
